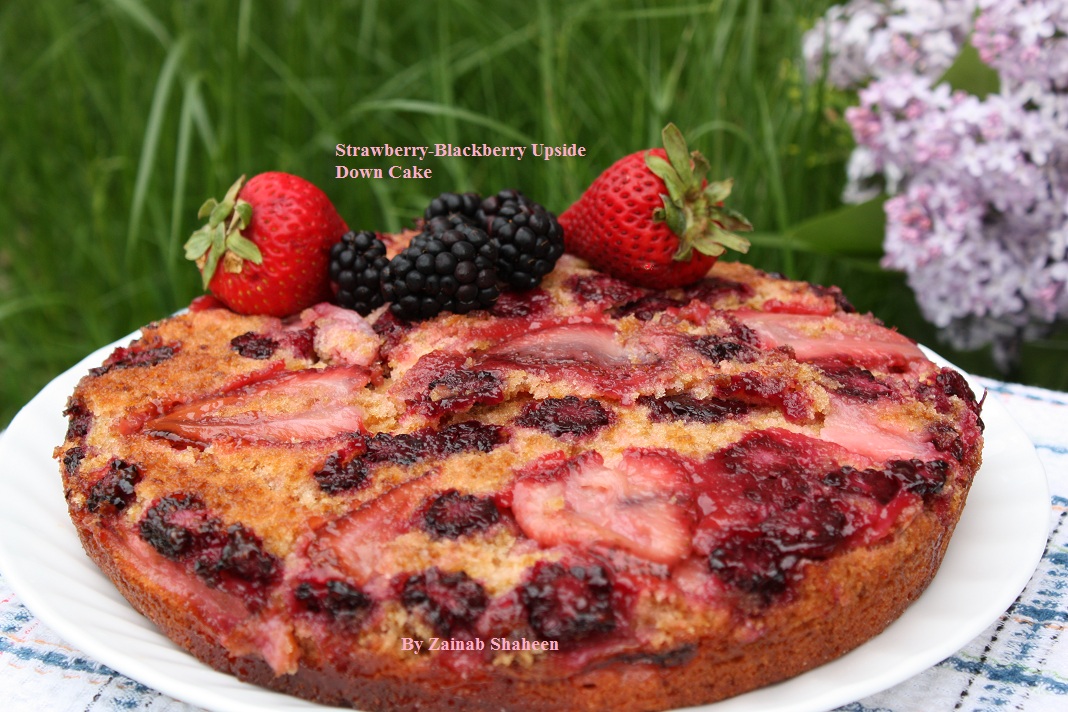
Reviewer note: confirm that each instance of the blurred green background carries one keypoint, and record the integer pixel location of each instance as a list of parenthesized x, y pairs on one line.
[(119, 117)]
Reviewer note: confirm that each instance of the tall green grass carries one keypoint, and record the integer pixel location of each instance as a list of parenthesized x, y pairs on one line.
[(119, 117)]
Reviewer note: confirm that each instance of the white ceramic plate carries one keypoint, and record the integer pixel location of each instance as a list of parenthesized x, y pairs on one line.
[(996, 548)]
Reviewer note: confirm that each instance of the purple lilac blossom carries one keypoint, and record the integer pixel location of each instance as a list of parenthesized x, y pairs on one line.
[(867, 39), (977, 216)]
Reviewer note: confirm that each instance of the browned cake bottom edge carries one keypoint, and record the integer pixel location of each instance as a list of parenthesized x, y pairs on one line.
[(840, 604)]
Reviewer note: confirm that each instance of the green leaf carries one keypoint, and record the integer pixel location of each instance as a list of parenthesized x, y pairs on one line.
[(970, 74), (732, 220), (719, 190), (243, 212), (855, 230), (209, 266), (678, 154), (734, 242), (231, 193), (206, 208), (701, 167), (709, 245), (220, 212), (244, 248), (197, 244), (674, 216), (666, 172)]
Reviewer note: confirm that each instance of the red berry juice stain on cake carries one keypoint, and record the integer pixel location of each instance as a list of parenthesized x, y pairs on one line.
[(262, 346), (301, 342), (959, 444), (945, 385), (79, 419), (683, 406), (567, 416), (450, 601), (676, 657), (350, 467), (532, 304), (254, 346), (816, 300), (762, 513), (229, 558), (835, 295), (113, 489), (602, 291), (569, 602), (740, 343), (782, 393), (139, 355), (647, 307), (776, 499), (710, 292), (461, 390), (72, 459), (440, 383), (342, 474), (856, 382), (924, 479), (335, 598), (392, 330)]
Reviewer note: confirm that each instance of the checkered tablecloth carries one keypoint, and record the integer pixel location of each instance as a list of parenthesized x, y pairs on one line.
[(1019, 663)]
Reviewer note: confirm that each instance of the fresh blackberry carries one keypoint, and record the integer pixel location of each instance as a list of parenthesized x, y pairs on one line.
[(466, 204), (529, 238), (448, 271), (356, 264), (440, 223)]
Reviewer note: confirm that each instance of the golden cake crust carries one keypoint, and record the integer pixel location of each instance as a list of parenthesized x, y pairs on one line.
[(279, 497)]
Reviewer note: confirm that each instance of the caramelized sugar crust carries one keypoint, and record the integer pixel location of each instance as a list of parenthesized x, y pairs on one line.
[(596, 495)]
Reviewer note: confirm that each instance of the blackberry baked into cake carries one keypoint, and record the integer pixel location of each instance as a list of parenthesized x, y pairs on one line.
[(660, 498), (489, 476)]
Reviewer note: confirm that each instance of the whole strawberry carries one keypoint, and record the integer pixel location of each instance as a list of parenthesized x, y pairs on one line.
[(653, 219), (266, 247)]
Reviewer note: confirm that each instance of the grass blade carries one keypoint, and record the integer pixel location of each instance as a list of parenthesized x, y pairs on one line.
[(150, 144)]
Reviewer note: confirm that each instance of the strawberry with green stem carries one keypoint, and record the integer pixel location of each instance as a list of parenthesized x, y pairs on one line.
[(654, 219), (266, 246)]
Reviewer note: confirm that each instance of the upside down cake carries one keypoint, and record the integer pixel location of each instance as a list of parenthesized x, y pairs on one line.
[(591, 496)]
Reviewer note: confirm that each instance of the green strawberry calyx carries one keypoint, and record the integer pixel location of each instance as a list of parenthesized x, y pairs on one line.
[(693, 207), (221, 239)]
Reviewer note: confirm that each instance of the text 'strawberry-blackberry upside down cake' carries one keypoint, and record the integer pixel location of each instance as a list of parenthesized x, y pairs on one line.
[(485, 475)]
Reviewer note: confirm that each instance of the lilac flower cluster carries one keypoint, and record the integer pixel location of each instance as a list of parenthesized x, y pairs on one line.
[(978, 213), (1025, 42), (868, 39)]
